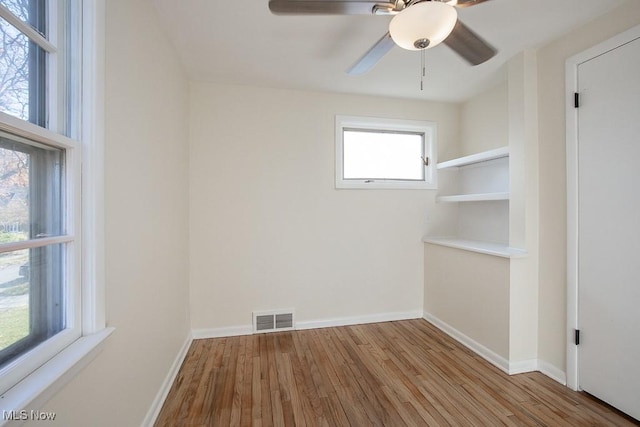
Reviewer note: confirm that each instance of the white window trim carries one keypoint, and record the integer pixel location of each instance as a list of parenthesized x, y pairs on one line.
[(37, 388), (428, 128)]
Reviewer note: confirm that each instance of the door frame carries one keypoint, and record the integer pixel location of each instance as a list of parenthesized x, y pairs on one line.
[(571, 69)]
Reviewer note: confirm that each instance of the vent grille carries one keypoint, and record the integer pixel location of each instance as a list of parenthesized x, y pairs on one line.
[(284, 320), (264, 322), (272, 321)]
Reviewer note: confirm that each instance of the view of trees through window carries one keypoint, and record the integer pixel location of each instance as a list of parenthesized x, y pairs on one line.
[(14, 63), (14, 266)]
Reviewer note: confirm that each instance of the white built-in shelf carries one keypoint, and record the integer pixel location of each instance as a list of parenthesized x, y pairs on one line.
[(475, 158), (488, 248), (476, 197)]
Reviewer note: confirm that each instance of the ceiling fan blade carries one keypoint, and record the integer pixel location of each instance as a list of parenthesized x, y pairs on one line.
[(469, 45), (467, 3), (373, 55), (327, 7)]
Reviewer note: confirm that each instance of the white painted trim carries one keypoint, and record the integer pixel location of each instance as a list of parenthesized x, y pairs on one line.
[(227, 331), (93, 70), (35, 243), (231, 331), (358, 320), (572, 224), (27, 30), (523, 366), (571, 76), (158, 402), (489, 355), (552, 372), (36, 389), (31, 132)]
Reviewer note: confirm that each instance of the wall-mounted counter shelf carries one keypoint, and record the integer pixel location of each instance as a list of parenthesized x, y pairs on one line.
[(477, 197), (488, 248), (475, 158)]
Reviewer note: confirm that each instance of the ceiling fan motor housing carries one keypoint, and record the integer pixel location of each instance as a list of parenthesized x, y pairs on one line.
[(423, 25)]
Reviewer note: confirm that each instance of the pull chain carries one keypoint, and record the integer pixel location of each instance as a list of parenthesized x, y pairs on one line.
[(423, 68)]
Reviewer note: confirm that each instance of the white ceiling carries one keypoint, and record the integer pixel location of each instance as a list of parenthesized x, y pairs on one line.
[(241, 42)]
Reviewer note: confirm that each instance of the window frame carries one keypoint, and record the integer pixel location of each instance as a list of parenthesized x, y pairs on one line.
[(31, 359), (37, 246), (50, 368), (428, 129)]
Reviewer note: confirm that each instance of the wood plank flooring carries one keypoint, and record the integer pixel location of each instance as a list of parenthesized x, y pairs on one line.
[(385, 374)]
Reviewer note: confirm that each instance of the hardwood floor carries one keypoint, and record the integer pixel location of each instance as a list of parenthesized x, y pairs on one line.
[(385, 374)]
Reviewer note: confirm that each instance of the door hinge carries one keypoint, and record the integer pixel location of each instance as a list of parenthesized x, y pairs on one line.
[(576, 100), (577, 337)]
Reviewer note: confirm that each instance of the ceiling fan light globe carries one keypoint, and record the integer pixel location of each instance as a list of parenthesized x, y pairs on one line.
[(431, 20)]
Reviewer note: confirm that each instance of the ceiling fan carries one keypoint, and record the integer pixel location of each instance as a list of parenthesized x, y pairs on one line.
[(417, 25)]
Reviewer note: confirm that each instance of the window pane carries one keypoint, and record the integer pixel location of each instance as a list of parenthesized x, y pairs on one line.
[(20, 8), (29, 11), (31, 298), (14, 297), (23, 64), (31, 191), (14, 72), (383, 155)]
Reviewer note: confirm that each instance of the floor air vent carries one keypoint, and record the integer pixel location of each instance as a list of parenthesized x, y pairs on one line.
[(272, 321)]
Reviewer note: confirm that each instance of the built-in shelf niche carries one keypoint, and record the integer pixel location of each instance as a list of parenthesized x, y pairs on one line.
[(479, 184), (479, 177)]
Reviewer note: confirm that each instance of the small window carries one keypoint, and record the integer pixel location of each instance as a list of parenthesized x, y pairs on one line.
[(384, 153)]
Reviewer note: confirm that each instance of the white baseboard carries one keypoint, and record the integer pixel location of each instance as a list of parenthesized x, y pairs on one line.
[(511, 368), (228, 331), (156, 406), (523, 366), (232, 331), (484, 352), (552, 372), (358, 320)]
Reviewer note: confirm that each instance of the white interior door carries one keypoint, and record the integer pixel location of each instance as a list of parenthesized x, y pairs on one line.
[(609, 227)]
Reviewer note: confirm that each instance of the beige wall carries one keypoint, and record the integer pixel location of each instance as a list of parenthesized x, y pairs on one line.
[(551, 98), (146, 202), (484, 121), (268, 228), (523, 205), (469, 292)]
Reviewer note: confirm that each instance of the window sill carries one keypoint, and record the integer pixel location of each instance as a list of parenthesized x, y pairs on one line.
[(382, 184), (36, 389)]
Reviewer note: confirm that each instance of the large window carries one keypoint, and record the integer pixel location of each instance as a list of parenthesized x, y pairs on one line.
[(384, 153), (41, 151)]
